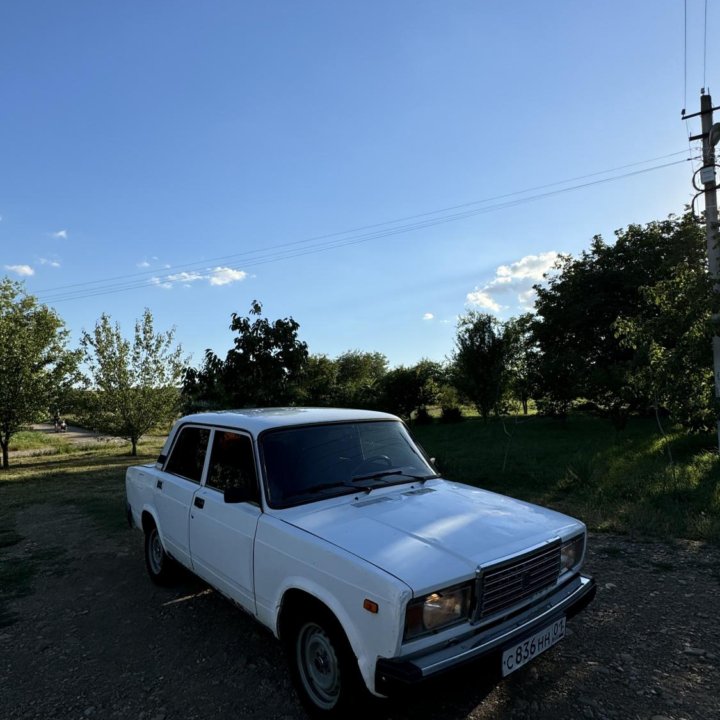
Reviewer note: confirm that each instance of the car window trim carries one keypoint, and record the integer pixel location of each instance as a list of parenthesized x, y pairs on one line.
[(206, 469), (261, 452), (182, 427)]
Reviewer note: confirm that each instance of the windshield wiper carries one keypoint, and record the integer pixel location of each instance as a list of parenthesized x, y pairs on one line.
[(385, 473), (328, 485)]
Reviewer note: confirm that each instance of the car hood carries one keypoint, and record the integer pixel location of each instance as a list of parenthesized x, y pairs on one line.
[(433, 535)]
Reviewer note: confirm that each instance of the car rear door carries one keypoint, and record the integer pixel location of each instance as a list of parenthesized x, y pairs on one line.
[(222, 534), (176, 487)]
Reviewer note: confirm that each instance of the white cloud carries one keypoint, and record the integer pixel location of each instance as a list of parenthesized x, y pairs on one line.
[(428, 316), (518, 278), (531, 267), (184, 277), (216, 276), (526, 300), (483, 299), (226, 275), (22, 270), (51, 263), (143, 264), (160, 283), (60, 235)]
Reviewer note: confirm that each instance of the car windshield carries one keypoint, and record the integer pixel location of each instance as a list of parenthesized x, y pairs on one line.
[(317, 461)]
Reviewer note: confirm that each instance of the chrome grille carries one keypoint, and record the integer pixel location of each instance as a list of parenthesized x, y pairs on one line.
[(511, 582)]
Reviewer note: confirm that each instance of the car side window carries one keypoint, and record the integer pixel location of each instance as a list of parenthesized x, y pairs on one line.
[(232, 464), (187, 457)]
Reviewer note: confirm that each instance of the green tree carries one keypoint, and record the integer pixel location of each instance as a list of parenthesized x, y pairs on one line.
[(35, 364), (671, 337), (359, 378), (134, 385), (264, 368), (581, 353), (480, 363), (318, 386), (523, 359), (407, 389)]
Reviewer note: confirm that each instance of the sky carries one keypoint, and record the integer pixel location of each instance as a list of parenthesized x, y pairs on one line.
[(363, 167)]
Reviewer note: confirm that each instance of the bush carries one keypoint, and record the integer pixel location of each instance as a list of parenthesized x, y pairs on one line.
[(422, 417), (451, 415)]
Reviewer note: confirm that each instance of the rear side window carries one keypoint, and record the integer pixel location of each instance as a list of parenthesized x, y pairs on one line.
[(187, 457), (232, 464)]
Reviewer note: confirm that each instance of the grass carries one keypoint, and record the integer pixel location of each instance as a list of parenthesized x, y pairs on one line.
[(618, 482), (33, 440), (92, 481)]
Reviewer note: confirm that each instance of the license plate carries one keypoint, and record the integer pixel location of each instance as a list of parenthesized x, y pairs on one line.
[(524, 651)]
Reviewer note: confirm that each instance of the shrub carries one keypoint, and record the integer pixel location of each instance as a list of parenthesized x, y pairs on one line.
[(451, 415)]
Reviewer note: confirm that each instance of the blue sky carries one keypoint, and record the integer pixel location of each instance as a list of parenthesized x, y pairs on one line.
[(178, 146)]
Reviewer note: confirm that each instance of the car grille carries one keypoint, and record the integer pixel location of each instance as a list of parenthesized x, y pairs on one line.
[(504, 585)]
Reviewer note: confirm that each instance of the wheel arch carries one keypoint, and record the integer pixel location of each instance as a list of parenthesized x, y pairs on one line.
[(148, 518)]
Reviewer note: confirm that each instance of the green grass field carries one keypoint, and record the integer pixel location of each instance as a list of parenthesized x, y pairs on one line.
[(615, 482), (620, 482)]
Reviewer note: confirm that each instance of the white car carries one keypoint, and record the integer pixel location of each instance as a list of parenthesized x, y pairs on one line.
[(332, 528)]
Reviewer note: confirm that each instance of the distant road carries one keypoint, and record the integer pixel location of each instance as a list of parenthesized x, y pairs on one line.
[(76, 434)]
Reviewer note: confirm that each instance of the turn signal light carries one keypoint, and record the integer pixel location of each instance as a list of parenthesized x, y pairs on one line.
[(370, 606)]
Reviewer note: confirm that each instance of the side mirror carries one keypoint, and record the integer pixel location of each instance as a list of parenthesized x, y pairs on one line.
[(236, 494)]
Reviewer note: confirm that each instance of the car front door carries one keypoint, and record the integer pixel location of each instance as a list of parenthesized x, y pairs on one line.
[(222, 534)]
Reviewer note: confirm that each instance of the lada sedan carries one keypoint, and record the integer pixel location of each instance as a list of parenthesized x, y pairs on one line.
[(333, 528)]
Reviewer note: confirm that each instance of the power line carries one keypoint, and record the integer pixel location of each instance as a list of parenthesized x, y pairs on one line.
[(287, 251), (224, 258)]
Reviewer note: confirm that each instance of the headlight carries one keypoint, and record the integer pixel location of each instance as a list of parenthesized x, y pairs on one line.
[(437, 610), (571, 553)]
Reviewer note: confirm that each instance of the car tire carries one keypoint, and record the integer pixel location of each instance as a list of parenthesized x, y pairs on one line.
[(160, 566), (323, 667)]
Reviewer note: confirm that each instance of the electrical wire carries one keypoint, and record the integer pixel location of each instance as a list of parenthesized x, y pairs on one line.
[(285, 252), (247, 253)]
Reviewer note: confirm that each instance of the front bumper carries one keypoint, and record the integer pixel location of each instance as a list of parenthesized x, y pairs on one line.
[(568, 600)]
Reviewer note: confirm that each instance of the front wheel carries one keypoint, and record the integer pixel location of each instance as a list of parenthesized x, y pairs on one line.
[(324, 668), (160, 565)]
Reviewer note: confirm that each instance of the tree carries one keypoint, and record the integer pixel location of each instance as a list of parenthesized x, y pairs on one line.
[(481, 361), (581, 353), (523, 359), (134, 385), (671, 340), (264, 368), (359, 378), (407, 389), (35, 363), (318, 386)]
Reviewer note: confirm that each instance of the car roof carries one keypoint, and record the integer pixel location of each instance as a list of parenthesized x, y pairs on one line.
[(255, 420)]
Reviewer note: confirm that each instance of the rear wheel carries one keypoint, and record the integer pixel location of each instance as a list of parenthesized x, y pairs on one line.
[(324, 668), (160, 565)]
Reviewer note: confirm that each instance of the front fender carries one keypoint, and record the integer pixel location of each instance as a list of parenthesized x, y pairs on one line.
[(288, 558)]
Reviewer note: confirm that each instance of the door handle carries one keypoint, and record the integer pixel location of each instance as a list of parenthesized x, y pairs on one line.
[(159, 485), (199, 502)]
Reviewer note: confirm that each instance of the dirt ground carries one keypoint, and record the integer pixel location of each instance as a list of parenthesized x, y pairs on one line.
[(96, 639)]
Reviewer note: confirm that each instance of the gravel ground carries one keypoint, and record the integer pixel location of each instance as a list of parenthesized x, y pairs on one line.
[(95, 639)]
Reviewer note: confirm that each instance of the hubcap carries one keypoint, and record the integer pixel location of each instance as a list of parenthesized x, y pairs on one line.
[(318, 665), (156, 552)]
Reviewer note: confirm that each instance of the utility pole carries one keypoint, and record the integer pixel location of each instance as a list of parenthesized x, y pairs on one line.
[(710, 136)]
